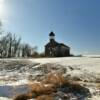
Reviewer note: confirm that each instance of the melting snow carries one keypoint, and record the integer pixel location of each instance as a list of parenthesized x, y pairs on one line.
[(14, 81)]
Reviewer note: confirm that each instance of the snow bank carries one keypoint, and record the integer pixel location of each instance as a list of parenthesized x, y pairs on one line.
[(15, 74)]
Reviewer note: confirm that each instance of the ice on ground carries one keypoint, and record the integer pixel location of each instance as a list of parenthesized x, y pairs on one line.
[(15, 74), (86, 63)]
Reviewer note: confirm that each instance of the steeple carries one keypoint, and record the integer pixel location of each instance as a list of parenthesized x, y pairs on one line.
[(52, 36)]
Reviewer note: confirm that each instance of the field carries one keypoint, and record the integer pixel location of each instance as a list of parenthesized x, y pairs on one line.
[(16, 74)]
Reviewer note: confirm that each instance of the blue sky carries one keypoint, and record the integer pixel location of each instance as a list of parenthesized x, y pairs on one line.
[(75, 22)]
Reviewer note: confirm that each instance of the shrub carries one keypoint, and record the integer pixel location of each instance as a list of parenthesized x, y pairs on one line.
[(44, 97), (53, 84), (56, 79), (39, 88), (25, 96)]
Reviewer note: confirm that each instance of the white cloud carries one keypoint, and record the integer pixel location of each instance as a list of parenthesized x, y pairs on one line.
[(3, 12), (2, 8), (85, 52), (1, 1), (4, 21)]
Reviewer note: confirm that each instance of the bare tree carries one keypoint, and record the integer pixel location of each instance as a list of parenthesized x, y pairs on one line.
[(4, 46), (0, 27), (26, 50), (11, 46), (15, 45)]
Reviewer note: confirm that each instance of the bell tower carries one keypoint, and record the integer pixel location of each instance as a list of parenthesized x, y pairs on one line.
[(52, 37)]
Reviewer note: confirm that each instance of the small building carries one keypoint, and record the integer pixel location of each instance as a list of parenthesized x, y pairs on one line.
[(55, 49)]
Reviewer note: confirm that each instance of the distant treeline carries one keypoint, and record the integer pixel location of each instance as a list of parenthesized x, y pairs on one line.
[(11, 46)]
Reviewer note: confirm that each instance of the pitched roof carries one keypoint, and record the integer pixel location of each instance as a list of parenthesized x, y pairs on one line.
[(49, 44), (56, 43), (51, 34), (64, 45)]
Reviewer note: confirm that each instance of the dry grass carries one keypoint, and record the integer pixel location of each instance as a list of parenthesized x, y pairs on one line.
[(43, 90), (24, 96), (40, 88), (45, 97), (98, 85), (55, 79)]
